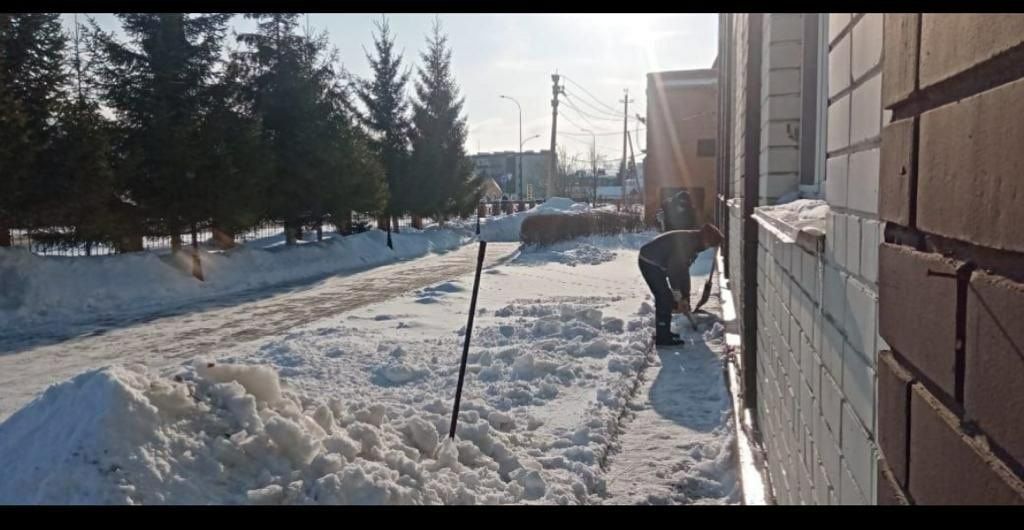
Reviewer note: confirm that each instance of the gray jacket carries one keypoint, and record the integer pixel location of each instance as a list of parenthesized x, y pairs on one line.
[(674, 252)]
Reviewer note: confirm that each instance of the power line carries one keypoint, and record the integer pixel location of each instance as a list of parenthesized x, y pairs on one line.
[(609, 107), (594, 108), (582, 113), (578, 126), (602, 133)]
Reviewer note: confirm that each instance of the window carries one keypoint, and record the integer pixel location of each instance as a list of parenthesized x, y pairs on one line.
[(706, 147), (814, 112)]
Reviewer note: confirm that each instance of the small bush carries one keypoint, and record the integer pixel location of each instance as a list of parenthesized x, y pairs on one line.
[(545, 229)]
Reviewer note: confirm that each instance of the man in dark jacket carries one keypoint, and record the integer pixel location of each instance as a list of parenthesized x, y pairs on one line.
[(665, 265)]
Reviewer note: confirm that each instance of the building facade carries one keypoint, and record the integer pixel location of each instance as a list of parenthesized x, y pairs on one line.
[(682, 121), (503, 167), (881, 336)]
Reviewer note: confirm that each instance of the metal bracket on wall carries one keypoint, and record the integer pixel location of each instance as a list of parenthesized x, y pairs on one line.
[(962, 275)]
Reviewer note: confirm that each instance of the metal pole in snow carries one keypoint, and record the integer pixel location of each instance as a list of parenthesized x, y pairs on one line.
[(469, 332)]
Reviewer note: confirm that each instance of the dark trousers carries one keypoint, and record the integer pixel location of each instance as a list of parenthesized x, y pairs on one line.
[(657, 280)]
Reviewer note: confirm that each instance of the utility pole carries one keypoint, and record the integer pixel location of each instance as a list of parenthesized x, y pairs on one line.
[(552, 167), (625, 131)]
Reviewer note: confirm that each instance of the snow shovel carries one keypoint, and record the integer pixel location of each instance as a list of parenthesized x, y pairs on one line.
[(707, 285)]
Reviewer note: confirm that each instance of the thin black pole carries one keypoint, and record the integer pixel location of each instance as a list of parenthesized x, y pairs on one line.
[(469, 332)]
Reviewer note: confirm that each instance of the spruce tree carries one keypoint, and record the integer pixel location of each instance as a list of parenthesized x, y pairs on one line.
[(385, 117), (233, 166), (31, 76), (158, 84), (444, 182), (319, 164)]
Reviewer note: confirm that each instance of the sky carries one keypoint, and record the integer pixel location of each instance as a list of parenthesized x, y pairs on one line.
[(515, 55)]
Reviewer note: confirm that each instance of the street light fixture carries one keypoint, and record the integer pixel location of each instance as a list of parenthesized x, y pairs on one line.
[(520, 142)]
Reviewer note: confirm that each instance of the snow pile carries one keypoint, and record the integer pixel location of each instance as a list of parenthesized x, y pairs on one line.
[(37, 291), (231, 434), (589, 250)]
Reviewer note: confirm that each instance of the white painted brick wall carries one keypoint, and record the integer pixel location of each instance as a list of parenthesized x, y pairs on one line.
[(849, 492), (863, 181), (784, 80), (867, 44), (834, 243), (828, 448), (831, 403), (832, 349), (836, 177), (781, 161), (861, 328), (783, 106), (859, 387), (836, 23), (809, 276), (839, 59), (822, 488), (858, 450), (785, 54), (865, 113), (869, 234), (851, 260), (786, 26), (838, 136), (775, 135)]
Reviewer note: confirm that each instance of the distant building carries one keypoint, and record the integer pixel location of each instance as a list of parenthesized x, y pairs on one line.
[(503, 167), (682, 126)]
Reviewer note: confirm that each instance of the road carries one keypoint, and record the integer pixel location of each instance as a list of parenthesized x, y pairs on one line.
[(27, 369)]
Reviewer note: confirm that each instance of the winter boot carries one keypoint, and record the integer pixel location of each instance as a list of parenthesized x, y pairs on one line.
[(663, 335)]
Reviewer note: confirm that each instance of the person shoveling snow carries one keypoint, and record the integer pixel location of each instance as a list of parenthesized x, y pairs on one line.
[(665, 265)]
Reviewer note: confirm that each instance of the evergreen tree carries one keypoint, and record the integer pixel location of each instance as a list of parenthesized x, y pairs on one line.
[(385, 117), (318, 166), (233, 166), (31, 76), (158, 84), (444, 182)]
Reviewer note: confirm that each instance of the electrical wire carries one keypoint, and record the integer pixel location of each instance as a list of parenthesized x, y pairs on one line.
[(581, 87)]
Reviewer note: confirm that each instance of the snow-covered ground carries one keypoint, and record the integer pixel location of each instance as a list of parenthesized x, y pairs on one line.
[(39, 294), (355, 407)]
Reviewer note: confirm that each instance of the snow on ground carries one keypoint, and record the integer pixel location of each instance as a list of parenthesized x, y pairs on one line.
[(354, 408), (38, 293), (678, 442)]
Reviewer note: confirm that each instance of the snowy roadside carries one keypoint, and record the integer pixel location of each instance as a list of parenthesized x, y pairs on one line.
[(354, 408), (38, 294)]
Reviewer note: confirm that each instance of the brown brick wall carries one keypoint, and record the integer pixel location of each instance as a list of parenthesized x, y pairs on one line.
[(899, 67), (917, 312), (897, 172), (949, 467), (953, 43), (994, 368), (951, 183), (894, 414), (971, 169)]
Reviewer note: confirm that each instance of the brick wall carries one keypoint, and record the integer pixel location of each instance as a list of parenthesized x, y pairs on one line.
[(950, 274), (735, 236), (782, 56)]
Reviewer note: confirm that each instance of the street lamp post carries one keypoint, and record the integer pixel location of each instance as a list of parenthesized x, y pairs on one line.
[(520, 142)]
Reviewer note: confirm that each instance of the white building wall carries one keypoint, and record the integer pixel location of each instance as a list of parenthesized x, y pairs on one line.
[(817, 305)]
